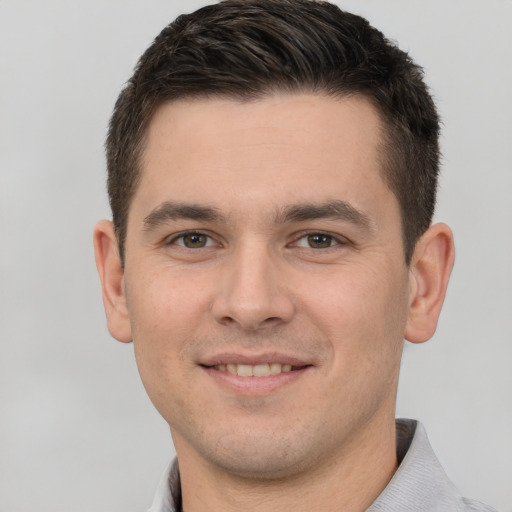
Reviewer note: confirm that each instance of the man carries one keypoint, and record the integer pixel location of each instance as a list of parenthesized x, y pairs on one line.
[(272, 177)]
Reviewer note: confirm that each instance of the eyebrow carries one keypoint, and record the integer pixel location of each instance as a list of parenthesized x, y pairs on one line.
[(335, 210), (171, 210), (302, 212)]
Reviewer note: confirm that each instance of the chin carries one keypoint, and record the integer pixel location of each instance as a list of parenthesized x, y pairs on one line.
[(262, 455), (261, 466)]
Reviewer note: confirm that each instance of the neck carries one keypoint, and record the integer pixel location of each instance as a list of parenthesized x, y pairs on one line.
[(350, 480)]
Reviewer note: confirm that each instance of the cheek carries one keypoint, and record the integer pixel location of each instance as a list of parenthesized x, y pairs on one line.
[(165, 301), (163, 317), (363, 308), (160, 317)]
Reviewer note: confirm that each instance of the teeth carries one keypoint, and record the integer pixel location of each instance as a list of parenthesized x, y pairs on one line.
[(245, 370), (275, 368), (257, 370), (261, 370)]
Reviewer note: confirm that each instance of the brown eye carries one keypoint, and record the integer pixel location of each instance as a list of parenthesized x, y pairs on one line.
[(193, 240), (319, 241)]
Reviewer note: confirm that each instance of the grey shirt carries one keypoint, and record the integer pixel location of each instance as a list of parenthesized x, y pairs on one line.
[(419, 484)]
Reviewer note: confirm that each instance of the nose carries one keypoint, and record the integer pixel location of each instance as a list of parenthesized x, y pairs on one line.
[(252, 292)]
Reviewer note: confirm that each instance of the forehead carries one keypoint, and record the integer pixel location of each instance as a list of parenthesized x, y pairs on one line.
[(314, 120), (278, 150)]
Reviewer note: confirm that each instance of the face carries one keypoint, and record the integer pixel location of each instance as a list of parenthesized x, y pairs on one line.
[(265, 281)]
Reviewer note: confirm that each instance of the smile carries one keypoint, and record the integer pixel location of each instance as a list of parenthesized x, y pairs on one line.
[(255, 375), (257, 370)]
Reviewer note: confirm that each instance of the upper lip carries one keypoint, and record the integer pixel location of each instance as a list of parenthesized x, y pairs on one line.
[(253, 359)]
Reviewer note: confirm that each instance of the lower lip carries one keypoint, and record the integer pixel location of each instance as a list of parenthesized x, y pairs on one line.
[(257, 386)]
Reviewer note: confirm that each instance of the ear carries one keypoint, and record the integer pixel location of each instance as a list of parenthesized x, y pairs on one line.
[(429, 273), (111, 275)]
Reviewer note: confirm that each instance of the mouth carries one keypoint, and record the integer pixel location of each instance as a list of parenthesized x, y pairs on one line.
[(255, 374), (255, 370)]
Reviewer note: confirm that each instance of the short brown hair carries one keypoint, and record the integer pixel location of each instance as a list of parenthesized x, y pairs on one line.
[(248, 48)]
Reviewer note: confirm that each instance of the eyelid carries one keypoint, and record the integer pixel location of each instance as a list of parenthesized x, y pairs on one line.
[(172, 239), (339, 240)]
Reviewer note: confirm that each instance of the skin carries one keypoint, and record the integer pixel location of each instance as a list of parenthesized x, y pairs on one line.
[(263, 231)]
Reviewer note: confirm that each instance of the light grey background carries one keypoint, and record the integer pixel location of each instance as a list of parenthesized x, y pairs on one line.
[(77, 432)]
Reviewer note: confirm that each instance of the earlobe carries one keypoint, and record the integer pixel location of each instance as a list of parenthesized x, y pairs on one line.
[(111, 276), (430, 270)]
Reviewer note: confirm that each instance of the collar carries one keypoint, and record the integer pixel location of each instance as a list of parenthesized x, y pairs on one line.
[(419, 483)]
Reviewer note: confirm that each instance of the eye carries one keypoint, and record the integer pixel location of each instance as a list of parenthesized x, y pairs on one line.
[(193, 240), (318, 241)]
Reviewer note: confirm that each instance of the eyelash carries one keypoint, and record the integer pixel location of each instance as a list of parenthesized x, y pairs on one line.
[(181, 236), (332, 240)]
